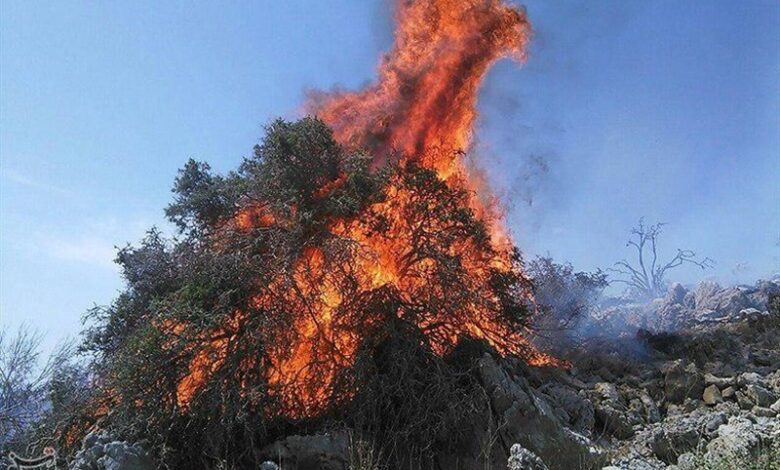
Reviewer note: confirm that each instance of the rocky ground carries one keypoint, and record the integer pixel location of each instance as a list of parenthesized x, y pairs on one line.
[(685, 382), (692, 382)]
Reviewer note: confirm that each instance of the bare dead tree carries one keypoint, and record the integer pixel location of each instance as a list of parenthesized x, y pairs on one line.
[(29, 388), (647, 276), (22, 387)]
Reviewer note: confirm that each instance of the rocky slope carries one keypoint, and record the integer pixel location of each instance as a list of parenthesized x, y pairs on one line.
[(684, 382)]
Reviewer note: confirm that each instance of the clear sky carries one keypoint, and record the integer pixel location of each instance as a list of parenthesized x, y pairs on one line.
[(666, 109)]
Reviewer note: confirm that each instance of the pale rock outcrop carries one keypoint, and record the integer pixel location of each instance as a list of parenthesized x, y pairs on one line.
[(100, 452), (315, 452), (738, 439), (521, 458)]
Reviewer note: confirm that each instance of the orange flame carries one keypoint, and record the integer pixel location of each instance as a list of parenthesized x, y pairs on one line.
[(424, 104), (423, 108), (426, 94)]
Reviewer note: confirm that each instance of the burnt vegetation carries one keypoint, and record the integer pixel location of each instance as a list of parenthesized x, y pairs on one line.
[(38, 397)]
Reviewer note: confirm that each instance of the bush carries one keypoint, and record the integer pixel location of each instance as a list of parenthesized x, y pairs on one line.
[(305, 290), (565, 295)]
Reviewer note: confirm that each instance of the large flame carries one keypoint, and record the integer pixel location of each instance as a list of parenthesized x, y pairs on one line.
[(421, 110), (423, 104)]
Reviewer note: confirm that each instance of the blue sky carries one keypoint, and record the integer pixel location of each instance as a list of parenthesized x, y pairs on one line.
[(665, 109)]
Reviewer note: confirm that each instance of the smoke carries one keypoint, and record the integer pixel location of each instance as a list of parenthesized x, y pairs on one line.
[(525, 114), (626, 105)]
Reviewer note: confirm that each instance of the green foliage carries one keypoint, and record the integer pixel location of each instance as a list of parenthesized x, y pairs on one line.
[(179, 292), (292, 163), (202, 199), (285, 174)]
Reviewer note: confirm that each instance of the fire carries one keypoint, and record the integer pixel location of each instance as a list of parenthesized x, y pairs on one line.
[(424, 103), (419, 114)]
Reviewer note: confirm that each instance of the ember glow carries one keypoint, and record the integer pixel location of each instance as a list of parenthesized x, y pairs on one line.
[(419, 114)]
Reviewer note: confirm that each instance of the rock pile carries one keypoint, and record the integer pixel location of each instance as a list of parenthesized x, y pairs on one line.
[(100, 452)]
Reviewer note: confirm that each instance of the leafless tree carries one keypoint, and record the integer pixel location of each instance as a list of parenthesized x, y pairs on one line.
[(25, 381), (22, 385), (647, 276)]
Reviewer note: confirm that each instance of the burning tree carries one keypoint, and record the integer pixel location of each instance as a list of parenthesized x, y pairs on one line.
[(278, 293), (349, 259)]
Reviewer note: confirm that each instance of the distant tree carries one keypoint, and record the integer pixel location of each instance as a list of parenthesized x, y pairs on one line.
[(646, 277)]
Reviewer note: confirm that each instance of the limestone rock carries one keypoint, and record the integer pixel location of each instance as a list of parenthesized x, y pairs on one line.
[(705, 295), (576, 409), (736, 440), (607, 391), (763, 412), (683, 381), (744, 402), (638, 463), (726, 302), (123, 456), (652, 414), (760, 395), (712, 395), (676, 294), (100, 452), (686, 461), (720, 382), (531, 421), (683, 433), (669, 441), (746, 313), (612, 412), (775, 406), (521, 458), (749, 378)]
